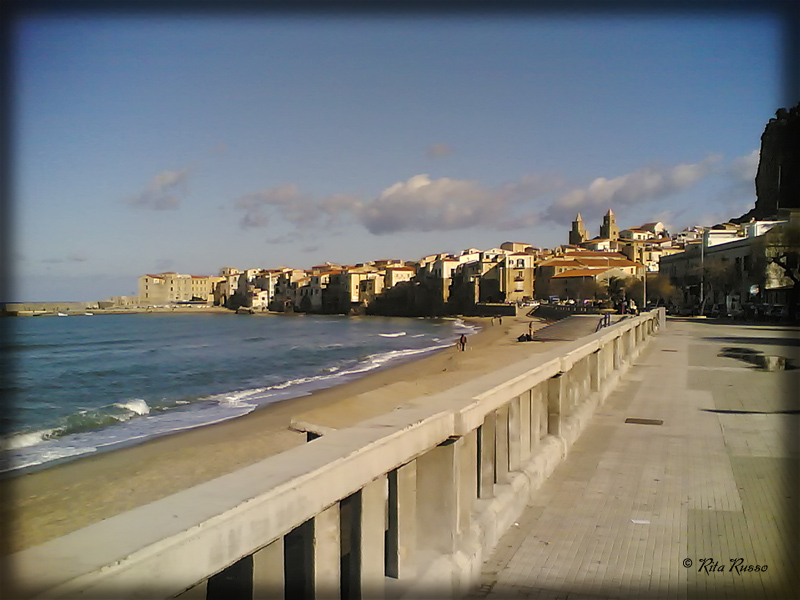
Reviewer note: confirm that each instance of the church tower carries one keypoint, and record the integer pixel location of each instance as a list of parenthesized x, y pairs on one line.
[(578, 233), (609, 229)]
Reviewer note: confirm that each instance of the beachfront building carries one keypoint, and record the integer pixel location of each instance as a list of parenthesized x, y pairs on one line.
[(518, 271), (345, 294), (398, 274), (285, 297), (317, 284), (494, 276), (169, 288), (569, 260), (587, 283), (226, 286)]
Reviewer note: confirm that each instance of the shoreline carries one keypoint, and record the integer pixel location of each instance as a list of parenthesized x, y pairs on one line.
[(281, 392), (52, 501)]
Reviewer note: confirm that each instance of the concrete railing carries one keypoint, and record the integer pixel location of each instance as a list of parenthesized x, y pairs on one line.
[(405, 505)]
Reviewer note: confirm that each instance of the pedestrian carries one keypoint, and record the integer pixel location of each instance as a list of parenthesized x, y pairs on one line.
[(462, 342)]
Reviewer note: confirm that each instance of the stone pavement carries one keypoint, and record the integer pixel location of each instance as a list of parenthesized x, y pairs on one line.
[(704, 505), (571, 328)]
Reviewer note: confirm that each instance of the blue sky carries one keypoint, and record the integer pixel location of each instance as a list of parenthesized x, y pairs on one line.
[(146, 144)]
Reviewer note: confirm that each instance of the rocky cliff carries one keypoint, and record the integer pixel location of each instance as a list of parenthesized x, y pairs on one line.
[(778, 175)]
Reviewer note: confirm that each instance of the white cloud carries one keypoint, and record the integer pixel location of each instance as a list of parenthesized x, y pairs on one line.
[(743, 169), (422, 204), (285, 200), (643, 185), (418, 204), (164, 192)]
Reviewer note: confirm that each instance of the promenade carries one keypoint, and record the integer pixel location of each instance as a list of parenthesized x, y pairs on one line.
[(702, 505)]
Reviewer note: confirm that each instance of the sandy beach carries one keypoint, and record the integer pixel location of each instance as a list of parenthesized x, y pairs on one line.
[(52, 502)]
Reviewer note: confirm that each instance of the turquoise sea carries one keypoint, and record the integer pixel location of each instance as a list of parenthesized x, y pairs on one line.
[(83, 384)]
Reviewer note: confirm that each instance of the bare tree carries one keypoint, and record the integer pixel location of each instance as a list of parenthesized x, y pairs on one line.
[(776, 261), (660, 289), (720, 278)]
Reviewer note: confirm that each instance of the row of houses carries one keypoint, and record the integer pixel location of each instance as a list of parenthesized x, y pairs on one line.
[(453, 283), (514, 273)]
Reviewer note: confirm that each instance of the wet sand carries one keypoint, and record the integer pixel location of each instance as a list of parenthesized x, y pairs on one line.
[(49, 503)]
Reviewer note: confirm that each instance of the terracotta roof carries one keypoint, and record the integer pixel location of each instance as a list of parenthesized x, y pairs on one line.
[(595, 253), (559, 262), (601, 262), (587, 272)]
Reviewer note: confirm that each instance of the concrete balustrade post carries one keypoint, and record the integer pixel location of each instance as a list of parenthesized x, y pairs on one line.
[(525, 433), (537, 400), (617, 362), (268, 572), (501, 446), (467, 456), (568, 393), (440, 499), (581, 382), (373, 538), (555, 397), (486, 456), (401, 536), (327, 554), (595, 370), (514, 435)]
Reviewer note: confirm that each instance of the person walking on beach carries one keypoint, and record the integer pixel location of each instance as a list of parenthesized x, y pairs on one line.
[(462, 342)]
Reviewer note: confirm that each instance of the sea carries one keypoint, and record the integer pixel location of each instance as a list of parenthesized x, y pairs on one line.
[(84, 384)]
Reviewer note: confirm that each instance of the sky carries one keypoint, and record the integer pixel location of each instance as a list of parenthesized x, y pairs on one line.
[(144, 144)]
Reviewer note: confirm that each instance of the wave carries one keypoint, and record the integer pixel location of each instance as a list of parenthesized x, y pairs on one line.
[(79, 422), (23, 440), (50, 455), (392, 335), (368, 363)]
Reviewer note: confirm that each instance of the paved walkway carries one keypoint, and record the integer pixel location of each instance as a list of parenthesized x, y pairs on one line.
[(670, 511), (572, 328)]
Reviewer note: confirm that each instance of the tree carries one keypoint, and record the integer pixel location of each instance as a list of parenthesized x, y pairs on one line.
[(616, 289), (660, 290), (720, 278), (777, 261)]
